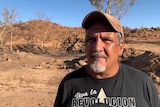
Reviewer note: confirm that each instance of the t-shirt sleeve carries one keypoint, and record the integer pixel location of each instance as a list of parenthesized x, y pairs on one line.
[(59, 97), (144, 85), (152, 93)]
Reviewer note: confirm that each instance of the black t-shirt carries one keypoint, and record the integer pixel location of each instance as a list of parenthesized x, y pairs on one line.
[(128, 88)]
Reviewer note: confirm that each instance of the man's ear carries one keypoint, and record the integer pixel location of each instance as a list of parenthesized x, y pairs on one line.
[(121, 47)]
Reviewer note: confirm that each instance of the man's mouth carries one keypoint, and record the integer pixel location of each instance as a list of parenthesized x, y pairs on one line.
[(98, 55)]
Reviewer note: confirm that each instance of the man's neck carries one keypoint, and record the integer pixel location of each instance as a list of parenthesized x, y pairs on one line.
[(108, 73)]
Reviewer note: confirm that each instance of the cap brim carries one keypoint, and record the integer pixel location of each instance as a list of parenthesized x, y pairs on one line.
[(96, 15)]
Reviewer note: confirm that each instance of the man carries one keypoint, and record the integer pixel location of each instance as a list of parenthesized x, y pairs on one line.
[(104, 82)]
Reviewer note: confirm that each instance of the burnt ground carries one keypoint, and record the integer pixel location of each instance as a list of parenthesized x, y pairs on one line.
[(43, 53)]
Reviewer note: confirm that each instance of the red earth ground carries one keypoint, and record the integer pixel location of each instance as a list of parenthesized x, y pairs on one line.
[(31, 73)]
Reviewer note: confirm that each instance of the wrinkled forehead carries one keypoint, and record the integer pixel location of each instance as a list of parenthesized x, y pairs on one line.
[(100, 26)]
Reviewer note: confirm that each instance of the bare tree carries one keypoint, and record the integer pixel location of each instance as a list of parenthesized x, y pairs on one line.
[(117, 8), (9, 19), (97, 4), (1, 34), (42, 16)]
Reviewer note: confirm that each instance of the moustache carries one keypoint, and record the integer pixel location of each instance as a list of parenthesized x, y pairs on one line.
[(99, 54)]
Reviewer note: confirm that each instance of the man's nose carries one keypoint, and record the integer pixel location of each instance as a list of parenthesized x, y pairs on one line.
[(98, 46)]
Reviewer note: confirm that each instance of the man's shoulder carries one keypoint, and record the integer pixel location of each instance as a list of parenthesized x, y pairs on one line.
[(133, 72), (135, 76), (78, 73)]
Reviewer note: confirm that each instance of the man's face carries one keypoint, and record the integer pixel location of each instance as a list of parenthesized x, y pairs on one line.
[(102, 47)]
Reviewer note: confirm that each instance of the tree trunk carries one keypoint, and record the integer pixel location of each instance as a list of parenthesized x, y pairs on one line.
[(1, 39), (108, 9), (11, 44)]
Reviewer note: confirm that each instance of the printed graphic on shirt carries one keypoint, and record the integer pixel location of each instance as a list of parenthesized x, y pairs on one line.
[(83, 100)]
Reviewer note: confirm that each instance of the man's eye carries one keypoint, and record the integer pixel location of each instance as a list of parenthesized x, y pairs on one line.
[(90, 40), (106, 40)]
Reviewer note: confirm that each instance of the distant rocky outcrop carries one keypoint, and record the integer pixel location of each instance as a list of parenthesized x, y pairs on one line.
[(43, 37)]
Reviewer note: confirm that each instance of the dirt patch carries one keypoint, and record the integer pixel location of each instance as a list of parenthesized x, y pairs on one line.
[(43, 53)]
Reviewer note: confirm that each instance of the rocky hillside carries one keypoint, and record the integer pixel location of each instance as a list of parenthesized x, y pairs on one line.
[(47, 35), (42, 37)]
